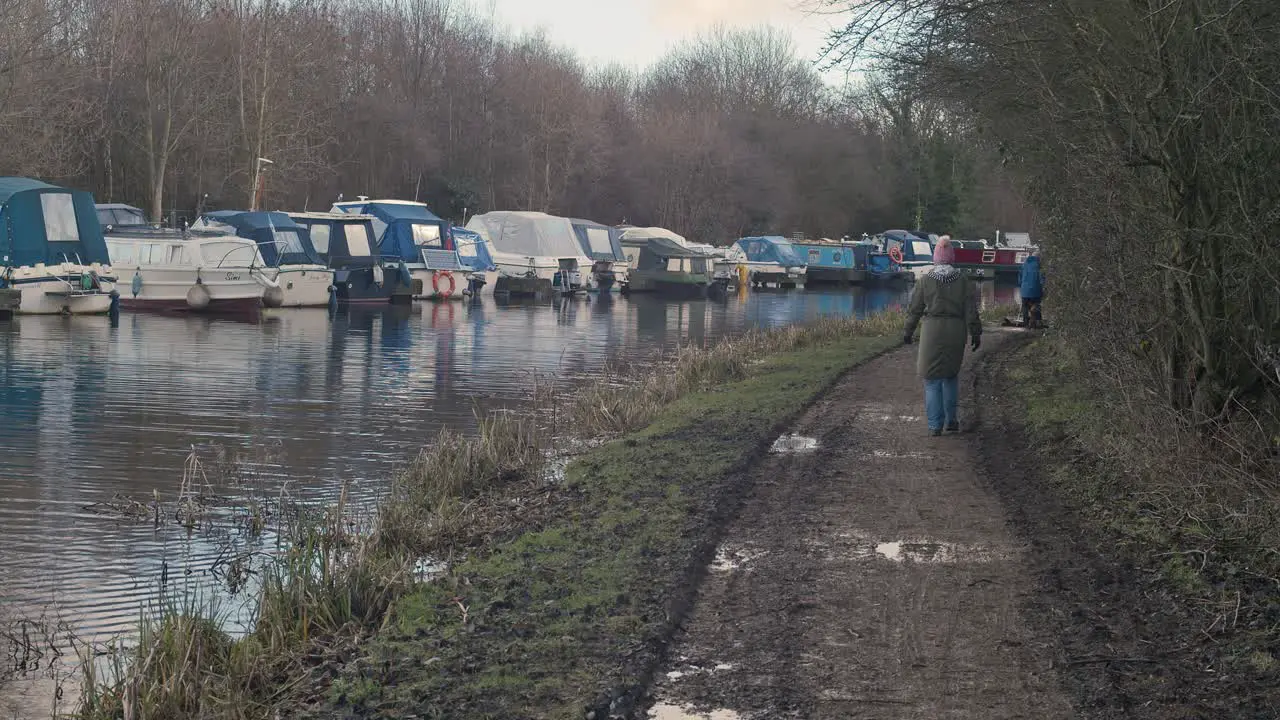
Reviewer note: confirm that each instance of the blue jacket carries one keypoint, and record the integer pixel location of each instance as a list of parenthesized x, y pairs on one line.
[(1031, 280)]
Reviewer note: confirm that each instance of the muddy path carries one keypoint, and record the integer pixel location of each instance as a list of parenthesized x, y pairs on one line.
[(874, 576)]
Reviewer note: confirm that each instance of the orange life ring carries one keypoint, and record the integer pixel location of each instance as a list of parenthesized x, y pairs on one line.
[(895, 254), (435, 282)]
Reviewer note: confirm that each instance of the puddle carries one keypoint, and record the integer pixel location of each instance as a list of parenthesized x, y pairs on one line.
[(663, 711), (794, 443), (896, 418), (730, 558), (891, 455), (856, 545)]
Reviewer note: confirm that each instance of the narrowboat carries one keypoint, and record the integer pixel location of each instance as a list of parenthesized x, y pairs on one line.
[(989, 261), (770, 260), (408, 232), (305, 280), (474, 253), (662, 262), (347, 244), (173, 271), (530, 250), (52, 250), (601, 246), (834, 263)]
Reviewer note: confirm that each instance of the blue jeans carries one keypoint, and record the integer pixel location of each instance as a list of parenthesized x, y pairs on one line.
[(941, 396)]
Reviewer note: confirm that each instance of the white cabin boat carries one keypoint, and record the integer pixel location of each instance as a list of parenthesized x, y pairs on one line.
[(305, 280), (533, 245), (167, 271)]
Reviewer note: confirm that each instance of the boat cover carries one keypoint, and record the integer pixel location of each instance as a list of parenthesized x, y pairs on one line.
[(42, 223), (281, 240), (403, 228), (599, 242), (530, 234), (771, 249), (660, 241), (913, 245), (331, 229), (473, 250)]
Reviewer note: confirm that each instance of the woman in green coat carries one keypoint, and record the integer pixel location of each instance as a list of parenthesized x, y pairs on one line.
[(947, 300)]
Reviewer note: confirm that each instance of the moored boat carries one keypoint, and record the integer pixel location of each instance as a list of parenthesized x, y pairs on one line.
[(409, 233), (346, 243), (770, 260), (474, 253), (531, 249), (305, 281), (601, 246), (910, 251), (51, 250), (168, 270), (662, 262), (828, 262), (989, 261)]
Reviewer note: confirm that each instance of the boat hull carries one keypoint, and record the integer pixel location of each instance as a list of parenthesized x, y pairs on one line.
[(158, 289), (305, 286), (54, 292), (668, 284), (834, 276)]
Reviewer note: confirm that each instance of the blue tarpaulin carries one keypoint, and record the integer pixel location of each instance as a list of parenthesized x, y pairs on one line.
[(473, 250), (599, 242), (771, 249), (279, 238), (403, 228), (42, 223), (914, 247)]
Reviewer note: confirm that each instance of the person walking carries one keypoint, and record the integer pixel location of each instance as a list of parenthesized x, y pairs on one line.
[(1031, 288), (948, 303)]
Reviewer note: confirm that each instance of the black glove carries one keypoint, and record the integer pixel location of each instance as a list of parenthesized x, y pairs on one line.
[(977, 342), (906, 339)]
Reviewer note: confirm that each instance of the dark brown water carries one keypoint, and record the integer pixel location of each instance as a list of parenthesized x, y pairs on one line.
[(91, 414)]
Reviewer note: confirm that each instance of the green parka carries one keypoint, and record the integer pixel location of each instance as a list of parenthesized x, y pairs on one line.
[(948, 302)]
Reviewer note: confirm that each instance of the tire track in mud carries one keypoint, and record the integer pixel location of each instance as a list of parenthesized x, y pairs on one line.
[(872, 577)]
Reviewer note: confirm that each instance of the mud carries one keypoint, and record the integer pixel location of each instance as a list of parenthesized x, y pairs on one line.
[(876, 577)]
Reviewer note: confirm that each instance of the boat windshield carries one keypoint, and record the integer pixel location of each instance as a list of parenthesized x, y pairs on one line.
[(427, 236), (228, 253), (358, 241), (320, 237), (466, 248), (598, 241), (287, 241), (921, 249)]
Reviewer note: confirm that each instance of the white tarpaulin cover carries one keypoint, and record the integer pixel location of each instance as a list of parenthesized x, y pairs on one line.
[(531, 234), (638, 234)]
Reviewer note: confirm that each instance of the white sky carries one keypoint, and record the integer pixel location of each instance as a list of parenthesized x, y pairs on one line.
[(635, 33)]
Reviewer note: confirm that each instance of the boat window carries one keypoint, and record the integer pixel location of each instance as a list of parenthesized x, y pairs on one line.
[(59, 217), (466, 248), (105, 218), (126, 217), (229, 254), (357, 235), (698, 265), (320, 238), (121, 253), (175, 255), (287, 241), (921, 250), (379, 228), (598, 241), (146, 253), (427, 236), (677, 265)]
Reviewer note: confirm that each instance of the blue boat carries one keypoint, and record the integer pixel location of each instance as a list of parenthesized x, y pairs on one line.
[(834, 263), (602, 244), (347, 244), (913, 252), (410, 233), (305, 280), (769, 260), (474, 253), (52, 250)]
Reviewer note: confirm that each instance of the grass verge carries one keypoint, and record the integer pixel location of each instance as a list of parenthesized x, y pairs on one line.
[(1205, 531), (565, 618)]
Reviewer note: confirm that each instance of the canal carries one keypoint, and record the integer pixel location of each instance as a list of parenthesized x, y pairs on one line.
[(99, 421)]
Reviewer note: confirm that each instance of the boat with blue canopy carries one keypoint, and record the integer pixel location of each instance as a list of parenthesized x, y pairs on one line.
[(603, 248), (52, 249), (305, 280), (346, 242), (474, 252), (410, 233), (828, 262), (913, 252), (769, 260)]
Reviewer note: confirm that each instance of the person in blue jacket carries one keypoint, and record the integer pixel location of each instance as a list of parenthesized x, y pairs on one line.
[(1032, 290)]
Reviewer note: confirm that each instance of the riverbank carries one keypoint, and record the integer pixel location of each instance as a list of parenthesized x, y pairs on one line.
[(1157, 566), (550, 589)]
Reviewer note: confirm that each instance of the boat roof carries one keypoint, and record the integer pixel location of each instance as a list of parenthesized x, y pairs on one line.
[(116, 206), (329, 216), (10, 186)]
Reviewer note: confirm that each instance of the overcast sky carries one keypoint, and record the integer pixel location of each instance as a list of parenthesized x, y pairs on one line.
[(638, 32)]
